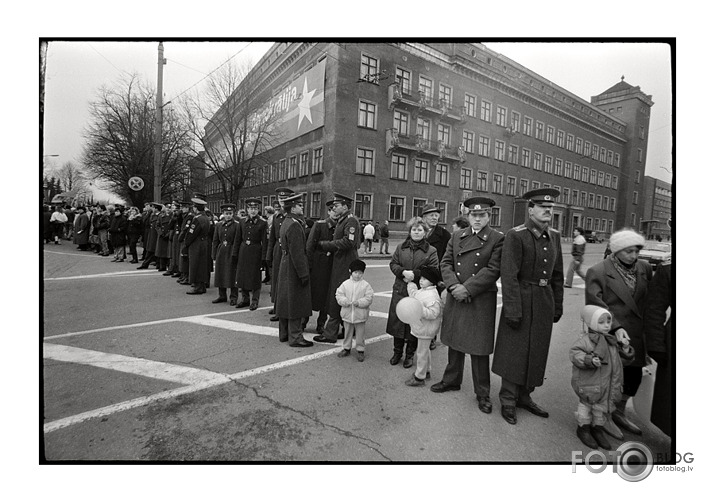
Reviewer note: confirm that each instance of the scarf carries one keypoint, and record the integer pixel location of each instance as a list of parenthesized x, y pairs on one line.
[(627, 273)]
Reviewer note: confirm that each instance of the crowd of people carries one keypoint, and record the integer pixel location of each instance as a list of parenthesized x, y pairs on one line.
[(315, 267)]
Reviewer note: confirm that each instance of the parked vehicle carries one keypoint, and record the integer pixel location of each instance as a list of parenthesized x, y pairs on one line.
[(655, 252), (594, 237)]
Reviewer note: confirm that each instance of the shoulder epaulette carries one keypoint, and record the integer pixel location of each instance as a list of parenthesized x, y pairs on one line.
[(518, 228)]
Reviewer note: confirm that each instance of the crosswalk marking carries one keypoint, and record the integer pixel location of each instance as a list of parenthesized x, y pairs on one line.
[(139, 366), (103, 275), (233, 325)]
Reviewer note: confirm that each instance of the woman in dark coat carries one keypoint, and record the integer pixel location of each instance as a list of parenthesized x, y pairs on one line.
[(406, 261), (118, 235), (135, 228), (620, 284), (81, 229), (163, 238)]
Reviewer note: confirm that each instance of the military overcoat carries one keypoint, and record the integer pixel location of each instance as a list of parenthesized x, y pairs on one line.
[(198, 246), (293, 298), (344, 248), (249, 247), (321, 262), (222, 253)]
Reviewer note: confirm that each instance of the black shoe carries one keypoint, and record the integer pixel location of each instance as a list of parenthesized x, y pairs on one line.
[(485, 404), (395, 358), (184, 282), (344, 353), (415, 381), (319, 329), (243, 303), (361, 356), (232, 302), (120, 260), (274, 318), (599, 434), (143, 267), (301, 344), (584, 435), (408, 362), (533, 408), (442, 386), (272, 311), (167, 273), (254, 305), (508, 412), (196, 291), (219, 300), (624, 423), (176, 275), (134, 262), (113, 260), (322, 338)]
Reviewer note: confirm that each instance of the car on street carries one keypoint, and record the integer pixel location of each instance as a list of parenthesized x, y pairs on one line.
[(655, 252), (594, 237)]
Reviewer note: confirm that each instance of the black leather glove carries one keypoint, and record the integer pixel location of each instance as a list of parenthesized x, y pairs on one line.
[(512, 322), (557, 317)]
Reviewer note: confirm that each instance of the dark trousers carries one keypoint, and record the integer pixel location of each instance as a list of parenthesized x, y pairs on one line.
[(234, 293), (322, 317), (163, 262), (454, 373), (511, 393), (149, 258), (332, 326), (254, 294), (133, 240), (632, 377), (408, 340), (290, 330)]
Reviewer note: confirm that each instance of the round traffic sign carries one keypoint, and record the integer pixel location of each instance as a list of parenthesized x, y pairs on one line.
[(136, 183)]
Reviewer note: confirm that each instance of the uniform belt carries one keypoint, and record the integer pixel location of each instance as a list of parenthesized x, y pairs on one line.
[(541, 282)]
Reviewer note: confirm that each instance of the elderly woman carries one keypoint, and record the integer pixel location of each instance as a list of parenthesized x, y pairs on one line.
[(406, 261), (620, 284)]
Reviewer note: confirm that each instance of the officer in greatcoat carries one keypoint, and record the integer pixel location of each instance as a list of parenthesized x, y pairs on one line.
[(163, 239), (197, 242), (293, 298), (273, 252), (186, 208), (321, 265), (344, 247), (249, 248), (470, 269), (152, 237), (176, 221), (222, 254), (532, 277)]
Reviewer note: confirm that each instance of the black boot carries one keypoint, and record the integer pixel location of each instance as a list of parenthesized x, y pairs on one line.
[(584, 435), (396, 357), (599, 434)]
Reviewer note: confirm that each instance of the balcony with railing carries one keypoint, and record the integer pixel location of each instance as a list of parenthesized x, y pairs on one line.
[(417, 144), (424, 104)]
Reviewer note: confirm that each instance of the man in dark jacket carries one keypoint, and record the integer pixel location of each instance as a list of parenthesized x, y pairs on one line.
[(198, 246), (273, 253), (344, 247), (384, 232), (293, 299), (532, 276), (249, 248), (183, 249), (152, 237), (321, 264), (436, 236)]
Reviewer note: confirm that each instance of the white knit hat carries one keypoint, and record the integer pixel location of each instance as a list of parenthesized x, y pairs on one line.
[(590, 315), (625, 238)]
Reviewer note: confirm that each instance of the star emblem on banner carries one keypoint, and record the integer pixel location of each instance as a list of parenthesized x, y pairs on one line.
[(304, 105)]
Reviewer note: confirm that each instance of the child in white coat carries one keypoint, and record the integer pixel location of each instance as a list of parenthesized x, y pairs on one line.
[(428, 325), (354, 296)]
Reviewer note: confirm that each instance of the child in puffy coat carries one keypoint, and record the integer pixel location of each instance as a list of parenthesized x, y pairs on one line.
[(597, 376), (429, 324), (354, 296)]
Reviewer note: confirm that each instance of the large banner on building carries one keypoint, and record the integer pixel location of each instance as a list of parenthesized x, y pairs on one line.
[(300, 107)]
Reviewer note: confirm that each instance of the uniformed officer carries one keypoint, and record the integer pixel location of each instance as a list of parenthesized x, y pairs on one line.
[(152, 237), (163, 241), (222, 254), (249, 248), (344, 247), (532, 277), (186, 208), (470, 269), (180, 212), (197, 244), (293, 298), (273, 252), (321, 265)]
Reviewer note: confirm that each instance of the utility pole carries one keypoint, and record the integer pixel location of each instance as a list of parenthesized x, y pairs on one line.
[(158, 123)]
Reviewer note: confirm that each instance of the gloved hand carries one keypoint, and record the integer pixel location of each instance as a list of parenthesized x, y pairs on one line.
[(512, 322), (557, 317), (460, 293)]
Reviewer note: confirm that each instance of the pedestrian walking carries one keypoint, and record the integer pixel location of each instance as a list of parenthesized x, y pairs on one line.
[(385, 237), (249, 248), (368, 234), (578, 249), (532, 277), (470, 269), (58, 219), (354, 296)]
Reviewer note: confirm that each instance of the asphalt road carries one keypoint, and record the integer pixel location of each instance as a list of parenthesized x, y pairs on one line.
[(136, 370)]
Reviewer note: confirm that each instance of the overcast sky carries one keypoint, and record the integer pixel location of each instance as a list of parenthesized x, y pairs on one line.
[(77, 69)]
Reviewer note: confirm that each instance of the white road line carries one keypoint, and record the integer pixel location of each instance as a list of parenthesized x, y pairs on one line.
[(73, 254), (147, 400), (102, 275), (139, 366), (233, 325)]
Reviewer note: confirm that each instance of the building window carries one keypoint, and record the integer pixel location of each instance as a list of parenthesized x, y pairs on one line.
[(576, 172), (539, 130), (501, 116), (574, 197), (582, 199), (641, 133), (292, 167), (499, 147), (548, 164), (594, 152), (369, 68), (527, 126), (638, 176), (513, 156), (560, 138), (523, 186), (468, 141), (423, 128), (497, 183), (445, 96), (282, 173), (444, 134), (617, 160), (599, 201), (579, 146), (607, 181), (550, 134), (565, 195), (587, 149), (633, 220), (482, 181), (613, 204), (485, 112), (316, 207), (417, 205), (397, 208), (465, 178), (404, 78), (363, 206), (635, 197), (441, 174), (318, 160), (584, 174), (366, 114), (421, 171), (526, 157), (609, 159), (568, 169), (470, 105), (483, 146), (303, 167), (602, 155), (425, 87), (401, 122), (590, 199), (398, 168), (515, 119), (442, 205), (538, 156), (569, 142), (495, 220), (601, 175), (510, 186), (535, 185), (594, 177), (365, 162), (559, 167), (614, 185), (610, 226), (589, 223)]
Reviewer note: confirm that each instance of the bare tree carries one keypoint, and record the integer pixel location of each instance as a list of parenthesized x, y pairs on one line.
[(232, 128), (70, 176), (120, 141)]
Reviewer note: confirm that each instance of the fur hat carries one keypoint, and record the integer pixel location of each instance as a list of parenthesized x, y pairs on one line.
[(590, 315), (357, 265), (431, 274), (625, 238)]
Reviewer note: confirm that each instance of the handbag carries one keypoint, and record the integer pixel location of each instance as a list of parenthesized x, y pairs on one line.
[(643, 400)]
